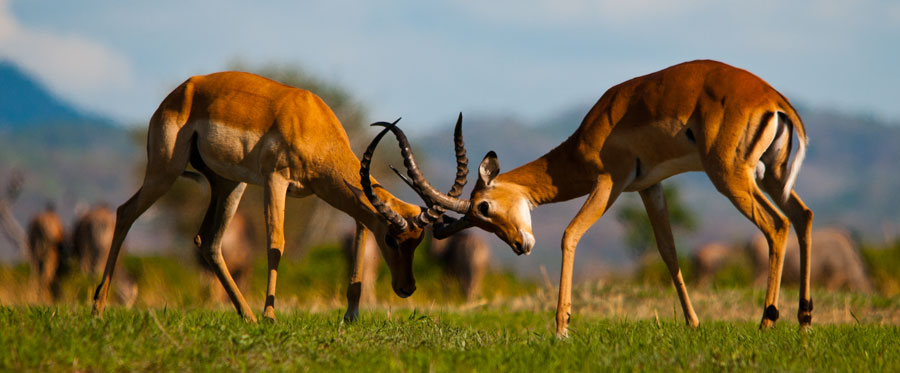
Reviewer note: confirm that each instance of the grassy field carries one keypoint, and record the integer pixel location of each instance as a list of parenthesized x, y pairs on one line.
[(617, 324), (66, 338)]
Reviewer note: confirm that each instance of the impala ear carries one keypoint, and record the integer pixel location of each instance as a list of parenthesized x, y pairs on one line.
[(489, 168)]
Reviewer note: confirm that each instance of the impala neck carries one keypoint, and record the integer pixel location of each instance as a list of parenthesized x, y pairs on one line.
[(555, 177), (333, 191)]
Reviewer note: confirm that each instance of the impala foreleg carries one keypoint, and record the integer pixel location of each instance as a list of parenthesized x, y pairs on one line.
[(603, 195), (355, 288), (275, 194), (655, 203)]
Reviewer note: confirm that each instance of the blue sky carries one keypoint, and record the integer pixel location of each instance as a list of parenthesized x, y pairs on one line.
[(426, 61)]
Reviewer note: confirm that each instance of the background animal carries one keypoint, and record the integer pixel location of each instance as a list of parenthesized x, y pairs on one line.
[(712, 258), (238, 244), (369, 268), (45, 248), (463, 257), (92, 235), (835, 265)]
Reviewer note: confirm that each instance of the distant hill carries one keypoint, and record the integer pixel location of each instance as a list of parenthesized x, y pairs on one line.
[(68, 157), (25, 102)]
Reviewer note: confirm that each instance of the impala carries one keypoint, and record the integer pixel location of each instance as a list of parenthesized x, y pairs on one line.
[(695, 116), (238, 128)]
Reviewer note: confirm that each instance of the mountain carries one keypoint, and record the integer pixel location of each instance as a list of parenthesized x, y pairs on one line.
[(25, 102), (68, 157)]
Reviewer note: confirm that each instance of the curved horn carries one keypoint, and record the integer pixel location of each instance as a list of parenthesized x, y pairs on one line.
[(422, 186), (435, 211), (392, 216), (462, 162)]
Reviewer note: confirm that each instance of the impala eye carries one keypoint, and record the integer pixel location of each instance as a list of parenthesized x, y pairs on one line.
[(484, 208), (391, 242)]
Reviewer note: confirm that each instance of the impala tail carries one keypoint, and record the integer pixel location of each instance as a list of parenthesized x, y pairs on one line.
[(794, 124), (777, 156)]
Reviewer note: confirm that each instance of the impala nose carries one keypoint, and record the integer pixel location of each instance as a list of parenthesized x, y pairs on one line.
[(405, 291), (524, 244)]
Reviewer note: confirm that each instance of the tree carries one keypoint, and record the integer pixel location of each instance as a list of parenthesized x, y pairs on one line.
[(638, 232)]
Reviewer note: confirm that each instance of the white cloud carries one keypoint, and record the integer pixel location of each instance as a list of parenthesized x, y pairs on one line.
[(72, 65)]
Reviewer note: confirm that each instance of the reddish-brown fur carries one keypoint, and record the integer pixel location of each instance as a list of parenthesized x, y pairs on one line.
[(45, 246), (695, 116), (238, 128)]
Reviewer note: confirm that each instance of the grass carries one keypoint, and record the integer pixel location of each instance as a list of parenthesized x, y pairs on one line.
[(67, 338), (617, 324)]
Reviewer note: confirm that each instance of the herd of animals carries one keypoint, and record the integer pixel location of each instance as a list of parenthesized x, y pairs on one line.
[(237, 128), (55, 251)]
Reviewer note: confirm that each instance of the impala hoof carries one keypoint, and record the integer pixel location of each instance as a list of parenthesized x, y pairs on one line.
[(351, 316)]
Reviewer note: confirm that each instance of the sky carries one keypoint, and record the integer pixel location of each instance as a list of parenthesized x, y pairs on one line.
[(428, 60)]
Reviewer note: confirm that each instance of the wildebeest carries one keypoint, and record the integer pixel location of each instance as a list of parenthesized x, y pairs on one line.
[(46, 237), (464, 257), (712, 257), (91, 239), (835, 265), (238, 242)]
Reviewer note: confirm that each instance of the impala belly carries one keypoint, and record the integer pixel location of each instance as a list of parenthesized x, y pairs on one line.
[(661, 171), (231, 152)]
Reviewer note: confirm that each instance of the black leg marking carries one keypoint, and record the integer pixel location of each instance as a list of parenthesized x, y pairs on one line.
[(806, 305), (771, 313)]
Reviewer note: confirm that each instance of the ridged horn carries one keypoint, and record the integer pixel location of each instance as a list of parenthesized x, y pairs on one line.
[(421, 185), (398, 223)]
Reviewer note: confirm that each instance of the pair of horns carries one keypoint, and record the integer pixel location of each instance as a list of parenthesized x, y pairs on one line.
[(437, 202)]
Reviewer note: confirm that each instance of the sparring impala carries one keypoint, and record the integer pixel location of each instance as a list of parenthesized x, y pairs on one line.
[(695, 116), (237, 128)]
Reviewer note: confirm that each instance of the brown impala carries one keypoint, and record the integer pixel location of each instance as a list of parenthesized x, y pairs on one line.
[(238, 128), (696, 116)]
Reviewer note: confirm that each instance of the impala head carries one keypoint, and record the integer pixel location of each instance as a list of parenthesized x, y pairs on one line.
[(402, 225), (495, 206), (501, 208), (398, 249)]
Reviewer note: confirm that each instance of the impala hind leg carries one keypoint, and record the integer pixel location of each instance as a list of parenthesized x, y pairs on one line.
[(224, 199), (354, 289), (598, 201), (801, 218), (275, 194), (742, 190), (655, 203), (155, 185)]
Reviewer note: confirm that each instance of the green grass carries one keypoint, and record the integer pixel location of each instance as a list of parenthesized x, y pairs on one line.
[(617, 324), (68, 338)]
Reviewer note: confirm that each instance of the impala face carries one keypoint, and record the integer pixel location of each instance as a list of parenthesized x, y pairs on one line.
[(501, 208), (398, 251)]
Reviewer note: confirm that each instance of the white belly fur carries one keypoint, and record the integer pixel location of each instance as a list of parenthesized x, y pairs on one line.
[(230, 152), (665, 169)]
